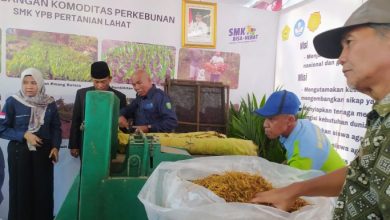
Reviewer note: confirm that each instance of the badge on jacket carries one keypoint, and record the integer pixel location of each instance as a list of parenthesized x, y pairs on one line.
[(148, 105), (168, 105)]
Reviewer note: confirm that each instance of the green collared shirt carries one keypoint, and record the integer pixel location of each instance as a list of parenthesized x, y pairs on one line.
[(366, 192)]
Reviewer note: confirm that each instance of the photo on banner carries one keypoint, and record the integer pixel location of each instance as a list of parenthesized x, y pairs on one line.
[(65, 104), (205, 65), (124, 58), (199, 24), (58, 56)]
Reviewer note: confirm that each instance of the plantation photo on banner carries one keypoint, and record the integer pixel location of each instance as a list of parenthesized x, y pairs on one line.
[(124, 58), (58, 56)]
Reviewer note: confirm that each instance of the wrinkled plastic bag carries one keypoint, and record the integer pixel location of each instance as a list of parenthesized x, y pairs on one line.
[(168, 193)]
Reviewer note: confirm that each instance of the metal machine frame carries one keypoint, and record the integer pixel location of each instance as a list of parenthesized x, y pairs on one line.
[(98, 193)]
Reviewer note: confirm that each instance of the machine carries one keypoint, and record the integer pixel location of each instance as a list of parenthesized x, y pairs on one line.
[(108, 183)]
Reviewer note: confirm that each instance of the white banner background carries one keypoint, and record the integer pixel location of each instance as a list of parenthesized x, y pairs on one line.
[(322, 88)]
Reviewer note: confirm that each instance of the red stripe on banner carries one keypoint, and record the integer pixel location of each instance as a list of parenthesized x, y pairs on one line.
[(2, 115)]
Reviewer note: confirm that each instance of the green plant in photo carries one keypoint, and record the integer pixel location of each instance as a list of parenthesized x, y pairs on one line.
[(58, 56), (245, 124), (57, 62), (124, 59)]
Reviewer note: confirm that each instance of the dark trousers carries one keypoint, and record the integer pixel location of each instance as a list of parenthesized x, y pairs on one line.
[(30, 182), (1, 174)]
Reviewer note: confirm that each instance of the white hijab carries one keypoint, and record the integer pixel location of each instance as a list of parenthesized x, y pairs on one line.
[(38, 103)]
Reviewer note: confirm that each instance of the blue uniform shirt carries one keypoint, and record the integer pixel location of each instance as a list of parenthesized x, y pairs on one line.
[(17, 117), (154, 109)]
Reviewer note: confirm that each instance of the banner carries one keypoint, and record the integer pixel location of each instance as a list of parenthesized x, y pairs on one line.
[(252, 34), (63, 37), (319, 82)]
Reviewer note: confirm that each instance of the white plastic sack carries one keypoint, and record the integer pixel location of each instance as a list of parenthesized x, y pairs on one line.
[(168, 194)]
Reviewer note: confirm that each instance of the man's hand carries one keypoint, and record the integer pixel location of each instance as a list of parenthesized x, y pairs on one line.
[(32, 139), (54, 155), (123, 123), (141, 128), (280, 198), (75, 152)]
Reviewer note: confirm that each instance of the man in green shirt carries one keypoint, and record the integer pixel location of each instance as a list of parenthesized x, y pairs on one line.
[(362, 46)]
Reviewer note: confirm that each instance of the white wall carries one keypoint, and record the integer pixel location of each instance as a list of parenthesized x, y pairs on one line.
[(258, 57)]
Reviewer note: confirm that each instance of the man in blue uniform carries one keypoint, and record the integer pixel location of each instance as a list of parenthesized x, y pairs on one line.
[(151, 111)]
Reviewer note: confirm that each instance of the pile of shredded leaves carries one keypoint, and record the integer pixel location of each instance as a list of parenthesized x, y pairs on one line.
[(240, 187)]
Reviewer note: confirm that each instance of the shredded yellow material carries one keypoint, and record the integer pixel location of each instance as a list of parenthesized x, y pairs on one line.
[(240, 187), (199, 143), (208, 143)]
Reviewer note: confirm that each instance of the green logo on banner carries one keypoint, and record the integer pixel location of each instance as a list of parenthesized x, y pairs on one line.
[(168, 105)]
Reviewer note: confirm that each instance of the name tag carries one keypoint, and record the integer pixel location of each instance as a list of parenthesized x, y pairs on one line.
[(148, 105)]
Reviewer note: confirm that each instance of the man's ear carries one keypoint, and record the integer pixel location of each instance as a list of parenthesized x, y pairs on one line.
[(291, 119)]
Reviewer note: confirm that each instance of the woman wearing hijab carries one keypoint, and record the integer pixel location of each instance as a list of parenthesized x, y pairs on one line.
[(31, 122)]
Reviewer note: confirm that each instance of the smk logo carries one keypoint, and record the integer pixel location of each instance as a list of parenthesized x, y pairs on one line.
[(243, 34), (299, 28)]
